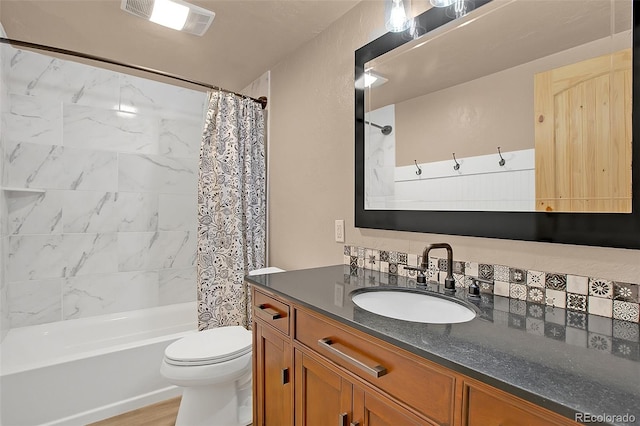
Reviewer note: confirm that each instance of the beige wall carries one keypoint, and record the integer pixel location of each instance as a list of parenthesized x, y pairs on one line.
[(312, 172)]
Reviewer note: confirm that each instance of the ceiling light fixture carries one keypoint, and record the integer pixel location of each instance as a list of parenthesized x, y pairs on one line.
[(176, 14)]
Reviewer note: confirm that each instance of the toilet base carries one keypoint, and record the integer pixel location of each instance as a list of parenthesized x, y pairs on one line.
[(228, 405)]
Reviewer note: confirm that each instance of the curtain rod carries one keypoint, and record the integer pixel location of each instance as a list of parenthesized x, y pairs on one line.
[(261, 100)]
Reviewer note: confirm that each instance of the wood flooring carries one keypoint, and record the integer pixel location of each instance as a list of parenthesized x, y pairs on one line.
[(160, 414)]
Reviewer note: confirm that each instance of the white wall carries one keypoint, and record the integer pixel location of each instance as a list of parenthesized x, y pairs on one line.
[(100, 177)]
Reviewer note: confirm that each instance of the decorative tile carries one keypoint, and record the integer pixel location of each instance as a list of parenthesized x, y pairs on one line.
[(354, 251), (501, 288), (555, 331), (555, 298), (393, 257), (371, 259), (517, 276), (458, 267), (346, 260), (555, 282), (347, 250), (626, 349), (471, 268), (577, 284), (460, 281), (535, 326), (626, 330), (384, 256), (625, 292), (412, 259), (599, 342), (517, 322), (393, 269), (485, 271), (353, 261), (535, 279), (412, 273), (360, 262), (517, 307), (577, 320), (577, 302), (535, 311), (384, 266), (442, 264), (601, 288), (486, 288), (402, 258), (600, 306), (626, 311), (535, 295), (501, 273), (518, 291), (361, 252)]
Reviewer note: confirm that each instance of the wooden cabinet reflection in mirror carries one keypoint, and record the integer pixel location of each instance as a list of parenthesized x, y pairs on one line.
[(583, 136)]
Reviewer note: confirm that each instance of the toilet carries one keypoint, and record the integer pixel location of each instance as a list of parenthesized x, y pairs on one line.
[(214, 368)]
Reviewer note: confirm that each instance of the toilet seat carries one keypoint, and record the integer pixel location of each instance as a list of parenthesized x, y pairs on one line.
[(209, 347)]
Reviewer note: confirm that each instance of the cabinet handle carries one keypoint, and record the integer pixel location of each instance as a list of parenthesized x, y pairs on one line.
[(355, 424), (269, 312), (375, 371), (285, 376), (342, 420)]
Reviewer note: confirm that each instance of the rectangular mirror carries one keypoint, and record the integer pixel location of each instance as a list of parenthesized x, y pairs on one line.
[(512, 116)]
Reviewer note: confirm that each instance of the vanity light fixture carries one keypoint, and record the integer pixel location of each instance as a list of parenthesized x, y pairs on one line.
[(397, 16), (176, 14), (442, 3)]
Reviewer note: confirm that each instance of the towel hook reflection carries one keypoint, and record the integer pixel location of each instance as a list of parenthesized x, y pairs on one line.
[(502, 161), (419, 171), (386, 130), (457, 166)]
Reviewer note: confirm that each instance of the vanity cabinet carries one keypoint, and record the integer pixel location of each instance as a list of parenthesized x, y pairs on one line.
[(312, 370), (272, 362)]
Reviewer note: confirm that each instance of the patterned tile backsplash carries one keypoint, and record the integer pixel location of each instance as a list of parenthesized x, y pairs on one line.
[(580, 296)]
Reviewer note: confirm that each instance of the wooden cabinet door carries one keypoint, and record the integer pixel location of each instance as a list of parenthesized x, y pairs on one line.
[(273, 389), (372, 410), (583, 136), (322, 396)]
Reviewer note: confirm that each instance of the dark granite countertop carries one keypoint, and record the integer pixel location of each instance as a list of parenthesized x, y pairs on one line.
[(525, 349)]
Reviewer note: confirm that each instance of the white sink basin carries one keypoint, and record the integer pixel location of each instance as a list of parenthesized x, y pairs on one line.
[(413, 306)]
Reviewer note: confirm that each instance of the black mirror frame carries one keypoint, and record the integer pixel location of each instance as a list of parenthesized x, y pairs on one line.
[(592, 229)]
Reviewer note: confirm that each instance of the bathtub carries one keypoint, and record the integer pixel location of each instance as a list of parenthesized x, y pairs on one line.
[(79, 371)]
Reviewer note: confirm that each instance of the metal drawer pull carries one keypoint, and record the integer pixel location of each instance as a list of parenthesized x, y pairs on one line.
[(375, 371), (342, 419), (270, 312)]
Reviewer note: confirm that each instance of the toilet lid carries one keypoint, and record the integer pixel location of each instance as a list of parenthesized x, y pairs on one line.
[(210, 346)]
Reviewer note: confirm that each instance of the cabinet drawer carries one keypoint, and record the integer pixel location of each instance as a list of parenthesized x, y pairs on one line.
[(426, 388), (489, 406), (271, 311)]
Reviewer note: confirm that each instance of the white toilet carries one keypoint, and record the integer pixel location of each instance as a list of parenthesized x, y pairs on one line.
[(214, 368)]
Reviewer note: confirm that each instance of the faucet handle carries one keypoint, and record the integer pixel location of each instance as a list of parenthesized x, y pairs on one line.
[(421, 278)]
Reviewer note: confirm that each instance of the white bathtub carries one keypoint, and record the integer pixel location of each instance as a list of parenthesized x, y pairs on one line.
[(79, 371)]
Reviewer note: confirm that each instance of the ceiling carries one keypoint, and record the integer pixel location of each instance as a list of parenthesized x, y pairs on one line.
[(245, 39)]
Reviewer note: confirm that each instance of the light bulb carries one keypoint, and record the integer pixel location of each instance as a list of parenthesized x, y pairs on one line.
[(169, 14), (397, 16), (442, 3)]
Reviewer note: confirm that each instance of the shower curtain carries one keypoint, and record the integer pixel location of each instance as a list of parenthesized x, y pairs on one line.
[(231, 209)]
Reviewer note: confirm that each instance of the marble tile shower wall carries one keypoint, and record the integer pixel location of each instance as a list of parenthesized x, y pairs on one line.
[(584, 295), (100, 181), (4, 297)]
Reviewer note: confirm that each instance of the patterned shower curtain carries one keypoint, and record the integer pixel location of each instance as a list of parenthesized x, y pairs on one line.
[(231, 209)]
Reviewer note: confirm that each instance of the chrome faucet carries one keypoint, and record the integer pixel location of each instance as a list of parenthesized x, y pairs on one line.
[(449, 281)]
